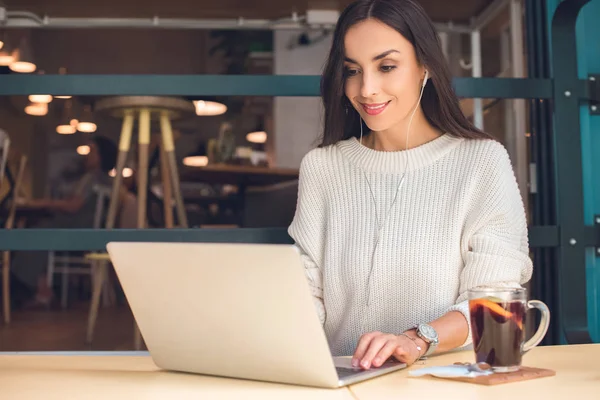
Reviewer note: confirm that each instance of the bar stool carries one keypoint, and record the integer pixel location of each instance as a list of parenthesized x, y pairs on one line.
[(147, 108)]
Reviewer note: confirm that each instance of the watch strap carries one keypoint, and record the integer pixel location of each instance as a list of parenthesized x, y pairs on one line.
[(432, 343), (432, 346)]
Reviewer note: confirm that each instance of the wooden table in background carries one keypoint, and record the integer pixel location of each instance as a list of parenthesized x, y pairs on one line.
[(241, 175), (85, 376)]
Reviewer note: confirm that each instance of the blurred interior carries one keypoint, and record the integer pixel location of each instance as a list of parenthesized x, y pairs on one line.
[(237, 168)]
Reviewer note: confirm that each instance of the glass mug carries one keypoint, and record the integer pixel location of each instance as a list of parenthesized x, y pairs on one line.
[(498, 318)]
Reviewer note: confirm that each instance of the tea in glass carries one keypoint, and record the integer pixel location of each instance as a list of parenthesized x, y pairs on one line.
[(498, 319)]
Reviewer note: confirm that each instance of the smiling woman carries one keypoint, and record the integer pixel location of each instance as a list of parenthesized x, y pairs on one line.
[(396, 228), (376, 67)]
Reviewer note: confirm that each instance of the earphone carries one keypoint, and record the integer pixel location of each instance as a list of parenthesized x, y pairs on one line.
[(382, 223)]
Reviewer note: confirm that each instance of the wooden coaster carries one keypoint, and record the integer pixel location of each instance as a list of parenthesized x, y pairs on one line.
[(523, 374)]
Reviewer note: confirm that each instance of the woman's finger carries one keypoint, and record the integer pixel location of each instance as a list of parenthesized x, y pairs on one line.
[(361, 348), (374, 347), (385, 352)]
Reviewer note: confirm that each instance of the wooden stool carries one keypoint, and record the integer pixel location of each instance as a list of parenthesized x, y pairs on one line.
[(164, 109)]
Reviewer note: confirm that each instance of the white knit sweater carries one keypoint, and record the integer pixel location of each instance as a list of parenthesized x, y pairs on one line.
[(458, 222)]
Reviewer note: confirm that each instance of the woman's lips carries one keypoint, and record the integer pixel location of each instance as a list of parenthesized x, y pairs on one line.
[(374, 108)]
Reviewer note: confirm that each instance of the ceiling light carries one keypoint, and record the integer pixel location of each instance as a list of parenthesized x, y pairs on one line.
[(197, 158), (65, 130), (37, 109), (206, 108), (7, 56), (40, 98), (66, 125), (196, 161), (86, 122), (257, 137), (83, 150), (23, 59)]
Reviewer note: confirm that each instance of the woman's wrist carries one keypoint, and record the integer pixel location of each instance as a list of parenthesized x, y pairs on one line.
[(412, 333)]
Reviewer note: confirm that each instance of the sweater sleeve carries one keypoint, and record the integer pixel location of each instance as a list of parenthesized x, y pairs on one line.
[(308, 226), (495, 244)]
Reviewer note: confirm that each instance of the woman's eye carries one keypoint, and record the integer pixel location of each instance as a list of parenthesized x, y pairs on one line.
[(351, 72), (388, 68)]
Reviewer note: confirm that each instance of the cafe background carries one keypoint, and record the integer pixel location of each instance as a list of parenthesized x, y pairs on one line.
[(237, 154)]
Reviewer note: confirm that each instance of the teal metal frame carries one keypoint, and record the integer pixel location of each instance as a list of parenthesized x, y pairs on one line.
[(564, 233), (568, 95), (587, 32), (96, 239), (238, 85)]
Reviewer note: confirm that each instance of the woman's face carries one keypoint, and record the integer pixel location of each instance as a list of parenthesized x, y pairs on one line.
[(383, 78)]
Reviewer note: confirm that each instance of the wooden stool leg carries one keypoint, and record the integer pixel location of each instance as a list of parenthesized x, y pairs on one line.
[(98, 276), (124, 145), (166, 181), (169, 146), (144, 143)]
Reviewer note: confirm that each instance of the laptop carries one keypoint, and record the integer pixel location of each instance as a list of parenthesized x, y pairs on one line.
[(242, 311)]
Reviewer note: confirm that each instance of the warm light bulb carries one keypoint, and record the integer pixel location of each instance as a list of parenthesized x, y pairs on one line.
[(22, 67), (40, 98), (196, 161), (63, 97), (209, 108), (74, 122), (37, 109), (83, 150), (127, 172), (87, 127), (6, 59), (257, 137), (65, 129)]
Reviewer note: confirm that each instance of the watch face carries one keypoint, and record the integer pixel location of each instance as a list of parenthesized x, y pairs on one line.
[(428, 332)]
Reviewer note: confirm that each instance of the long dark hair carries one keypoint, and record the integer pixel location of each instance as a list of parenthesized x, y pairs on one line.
[(107, 151), (439, 103)]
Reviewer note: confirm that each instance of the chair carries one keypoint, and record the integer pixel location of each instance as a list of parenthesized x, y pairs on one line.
[(10, 221), (100, 263), (68, 264)]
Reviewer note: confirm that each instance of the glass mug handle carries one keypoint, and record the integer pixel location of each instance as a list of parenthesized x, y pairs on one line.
[(542, 329)]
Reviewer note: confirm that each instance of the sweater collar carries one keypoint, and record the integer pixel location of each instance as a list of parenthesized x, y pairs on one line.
[(396, 161)]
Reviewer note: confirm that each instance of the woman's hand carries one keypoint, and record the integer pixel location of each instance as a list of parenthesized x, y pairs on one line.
[(374, 348)]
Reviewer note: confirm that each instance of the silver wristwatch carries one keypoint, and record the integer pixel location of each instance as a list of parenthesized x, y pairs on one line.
[(429, 335)]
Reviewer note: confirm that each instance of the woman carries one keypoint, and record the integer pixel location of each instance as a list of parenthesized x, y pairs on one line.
[(405, 205), (76, 210)]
